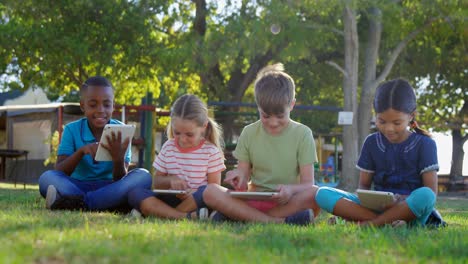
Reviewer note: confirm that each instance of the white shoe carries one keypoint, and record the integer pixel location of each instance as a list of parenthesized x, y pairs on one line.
[(136, 214), (203, 213), (51, 196)]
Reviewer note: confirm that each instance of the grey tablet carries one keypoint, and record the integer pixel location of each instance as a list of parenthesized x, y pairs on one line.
[(375, 200), (127, 132), (253, 195), (164, 191)]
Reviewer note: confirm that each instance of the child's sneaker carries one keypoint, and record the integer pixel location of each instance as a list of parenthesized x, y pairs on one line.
[(56, 201), (216, 216), (136, 214), (305, 217), (202, 214)]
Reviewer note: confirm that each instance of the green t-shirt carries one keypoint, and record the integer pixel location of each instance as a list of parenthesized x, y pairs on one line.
[(276, 159)]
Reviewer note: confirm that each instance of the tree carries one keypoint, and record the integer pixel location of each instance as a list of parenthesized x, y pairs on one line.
[(58, 46), (375, 69), (442, 86), (231, 47)]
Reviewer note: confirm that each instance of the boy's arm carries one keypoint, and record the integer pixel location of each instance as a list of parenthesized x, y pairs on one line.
[(118, 149), (306, 174), (119, 170), (285, 192), (239, 177), (67, 164)]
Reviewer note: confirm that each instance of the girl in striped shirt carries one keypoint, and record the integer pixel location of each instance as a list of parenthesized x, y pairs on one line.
[(190, 159)]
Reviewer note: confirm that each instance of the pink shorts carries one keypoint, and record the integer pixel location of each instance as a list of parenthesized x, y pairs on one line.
[(263, 206)]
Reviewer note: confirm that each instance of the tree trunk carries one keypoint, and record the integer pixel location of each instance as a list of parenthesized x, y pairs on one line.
[(349, 179), (458, 154), (213, 78), (370, 72)]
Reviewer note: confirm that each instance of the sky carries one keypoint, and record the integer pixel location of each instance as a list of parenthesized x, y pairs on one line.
[(444, 153)]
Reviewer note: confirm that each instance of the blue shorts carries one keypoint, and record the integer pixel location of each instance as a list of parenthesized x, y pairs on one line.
[(136, 196)]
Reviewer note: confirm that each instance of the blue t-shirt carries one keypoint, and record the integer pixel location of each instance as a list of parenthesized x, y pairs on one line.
[(398, 168), (77, 134)]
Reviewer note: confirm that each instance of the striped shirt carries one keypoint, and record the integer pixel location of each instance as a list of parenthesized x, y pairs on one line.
[(191, 165)]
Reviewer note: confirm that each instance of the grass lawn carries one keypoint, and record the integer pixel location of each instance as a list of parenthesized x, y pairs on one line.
[(31, 234)]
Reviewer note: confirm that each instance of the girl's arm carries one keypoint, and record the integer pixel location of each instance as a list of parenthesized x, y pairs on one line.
[(365, 180), (166, 181), (430, 180), (214, 177)]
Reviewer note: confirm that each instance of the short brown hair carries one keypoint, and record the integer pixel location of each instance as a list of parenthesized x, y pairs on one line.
[(274, 89)]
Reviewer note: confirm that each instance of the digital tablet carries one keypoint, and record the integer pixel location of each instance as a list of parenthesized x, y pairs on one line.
[(375, 200), (164, 191), (253, 195), (127, 132)]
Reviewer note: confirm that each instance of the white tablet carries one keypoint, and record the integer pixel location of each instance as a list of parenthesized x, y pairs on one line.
[(375, 200), (253, 195), (164, 191), (127, 132)]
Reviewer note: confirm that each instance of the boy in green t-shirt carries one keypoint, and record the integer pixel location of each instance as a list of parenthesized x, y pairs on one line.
[(274, 154)]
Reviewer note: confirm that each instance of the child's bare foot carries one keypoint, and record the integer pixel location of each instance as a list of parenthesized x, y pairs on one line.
[(332, 220), (399, 223)]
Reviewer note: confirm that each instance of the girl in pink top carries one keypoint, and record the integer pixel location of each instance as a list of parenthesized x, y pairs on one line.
[(189, 160)]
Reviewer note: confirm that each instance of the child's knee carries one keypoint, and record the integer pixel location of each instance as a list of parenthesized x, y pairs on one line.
[(137, 195), (140, 177), (421, 201), (325, 198), (47, 178), (211, 193)]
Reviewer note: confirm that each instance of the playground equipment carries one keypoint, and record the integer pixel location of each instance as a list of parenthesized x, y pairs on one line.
[(31, 128)]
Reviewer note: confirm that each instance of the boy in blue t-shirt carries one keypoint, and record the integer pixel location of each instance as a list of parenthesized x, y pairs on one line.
[(274, 154), (78, 181)]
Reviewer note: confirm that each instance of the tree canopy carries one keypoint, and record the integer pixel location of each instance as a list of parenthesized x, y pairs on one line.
[(337, 51)]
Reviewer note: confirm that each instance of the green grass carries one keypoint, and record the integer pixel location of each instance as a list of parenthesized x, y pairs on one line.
[(31, 234)]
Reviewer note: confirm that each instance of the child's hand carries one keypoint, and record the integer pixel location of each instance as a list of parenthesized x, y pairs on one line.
[(90, 149), (397, 199), (284, 194), (236, 179), (179, 184), (116, 147), (400, 198)]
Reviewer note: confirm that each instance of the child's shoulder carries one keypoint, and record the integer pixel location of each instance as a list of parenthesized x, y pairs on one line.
[(252, 126), (76, 123), (297, 129), (416, 139), (298, 125), (373, 137), (210, 147), (169, 143)]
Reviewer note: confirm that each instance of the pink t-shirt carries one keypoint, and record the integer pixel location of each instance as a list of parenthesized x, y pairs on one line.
[(192, 164)]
